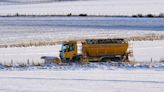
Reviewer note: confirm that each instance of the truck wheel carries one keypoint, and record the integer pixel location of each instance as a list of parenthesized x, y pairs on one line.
[(106, 59), (76, 58)]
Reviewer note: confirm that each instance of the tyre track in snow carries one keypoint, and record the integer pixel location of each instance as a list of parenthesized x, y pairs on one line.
[(83, 79)]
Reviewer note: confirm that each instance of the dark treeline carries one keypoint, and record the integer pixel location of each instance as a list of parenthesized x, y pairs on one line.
[(40, 15), (161, 15)]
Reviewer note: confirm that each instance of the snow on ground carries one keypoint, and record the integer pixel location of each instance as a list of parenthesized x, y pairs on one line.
[(147, 51), (26, 30), (85, 78), (144, 51), (82, 78), (19, 2), (82, 81), (90, 7), (26, 35), (76, 80), (22, 55)]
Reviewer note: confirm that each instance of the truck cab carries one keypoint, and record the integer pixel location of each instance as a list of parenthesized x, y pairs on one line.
[(68, 51)]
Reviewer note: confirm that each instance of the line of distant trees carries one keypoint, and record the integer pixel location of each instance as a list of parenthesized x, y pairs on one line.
[(37, 15), (161, 15)]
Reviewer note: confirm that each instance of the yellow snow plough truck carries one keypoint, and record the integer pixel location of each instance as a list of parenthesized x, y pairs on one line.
[(93, 50)]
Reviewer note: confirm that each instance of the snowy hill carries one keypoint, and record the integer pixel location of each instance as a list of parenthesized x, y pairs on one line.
[(90, 7), (16, 2)]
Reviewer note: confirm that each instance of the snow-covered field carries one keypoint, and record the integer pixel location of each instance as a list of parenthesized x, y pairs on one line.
[(80, 78), (19, 2), (26, 30), (147, 51), (90, 7), (86, 78), (82, 81)]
